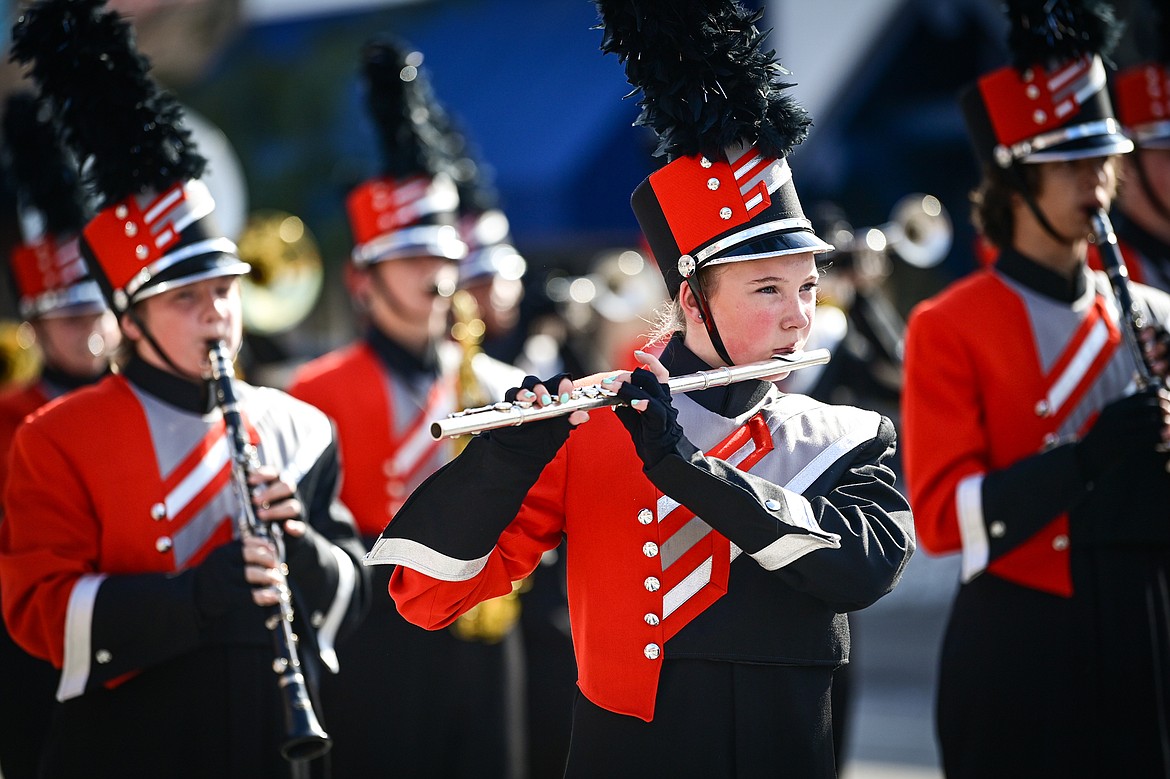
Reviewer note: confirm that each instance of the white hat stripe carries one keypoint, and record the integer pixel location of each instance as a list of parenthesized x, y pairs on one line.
[(157, 208)]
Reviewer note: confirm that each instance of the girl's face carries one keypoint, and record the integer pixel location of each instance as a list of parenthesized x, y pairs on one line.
[(761, 308), (183, 320)]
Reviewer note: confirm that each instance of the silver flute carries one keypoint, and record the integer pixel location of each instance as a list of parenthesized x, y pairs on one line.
[(510, 414)]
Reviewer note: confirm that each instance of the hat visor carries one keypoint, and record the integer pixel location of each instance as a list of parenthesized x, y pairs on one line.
[(1082, 149), (774, 245), (77, 309), (196, 269), (441, 241)]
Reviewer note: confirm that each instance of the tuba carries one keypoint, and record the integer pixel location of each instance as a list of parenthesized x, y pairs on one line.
[(286, 276), (491, 620)]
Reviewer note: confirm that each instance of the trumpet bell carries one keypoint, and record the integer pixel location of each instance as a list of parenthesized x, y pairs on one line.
[(286, 276), (920, 230)]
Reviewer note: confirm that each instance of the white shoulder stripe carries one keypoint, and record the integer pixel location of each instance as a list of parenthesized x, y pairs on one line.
[(78, 632), (403, 551), (864, 427)]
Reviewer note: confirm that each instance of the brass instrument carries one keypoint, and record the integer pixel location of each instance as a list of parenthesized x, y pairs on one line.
[(467, 330), (305, 738), (286, 276), (505, 414), (919, 231), (490, 620), (20, 359)]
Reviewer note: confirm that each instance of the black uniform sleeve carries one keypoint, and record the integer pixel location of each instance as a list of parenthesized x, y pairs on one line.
[(325, 570), (143, 620), (493, 475), (861, 525), (1028, 494)]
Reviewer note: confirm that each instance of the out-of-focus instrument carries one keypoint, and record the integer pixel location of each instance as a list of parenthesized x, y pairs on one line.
[(505, 414), (490, 620), (286, 276), (468, 330), (919, 231), (20, 359), (1135, 320), (304, 737)]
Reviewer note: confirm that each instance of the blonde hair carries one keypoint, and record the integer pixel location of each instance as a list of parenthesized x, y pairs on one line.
[(669, 318)]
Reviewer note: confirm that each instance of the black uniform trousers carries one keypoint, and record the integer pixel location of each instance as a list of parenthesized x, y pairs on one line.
[(417, 703), (1036, 685), (714, 719)]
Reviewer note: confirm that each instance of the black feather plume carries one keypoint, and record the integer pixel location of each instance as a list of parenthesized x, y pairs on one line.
[(125, 130), (1159, 46), (471, 176), (705, 79), (407, 116), (1049, 32), (40, 172)]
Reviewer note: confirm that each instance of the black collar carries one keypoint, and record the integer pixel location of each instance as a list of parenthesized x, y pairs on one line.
[(1036, 277), (169, 388), (66, 382), (401, 361), (730, 400)]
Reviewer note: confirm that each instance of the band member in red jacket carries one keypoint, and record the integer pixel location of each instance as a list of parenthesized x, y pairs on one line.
[(715, 539), (1141, 215), (1029, 453), (75, 336), (431, 704), (122, 558)]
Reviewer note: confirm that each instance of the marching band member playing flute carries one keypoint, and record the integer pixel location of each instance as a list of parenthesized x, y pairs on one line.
[(715, 539), (1028, 451), (120, 556)]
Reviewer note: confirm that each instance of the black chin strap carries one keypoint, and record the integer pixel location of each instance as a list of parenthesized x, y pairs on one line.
[(707, 317), (137, 320)]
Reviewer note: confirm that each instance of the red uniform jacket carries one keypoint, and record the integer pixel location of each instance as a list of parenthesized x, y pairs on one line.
[(146, 491), (647, 579), (1032, 375), (15, 405), (384, 433)]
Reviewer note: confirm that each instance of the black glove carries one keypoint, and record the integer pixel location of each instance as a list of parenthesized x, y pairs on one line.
[(541, 439), (220, 585), (1131, 424), (655, 430), (1156, 349)]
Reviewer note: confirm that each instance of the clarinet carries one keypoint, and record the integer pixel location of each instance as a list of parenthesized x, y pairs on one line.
[(1131, 312), (305, 739)]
